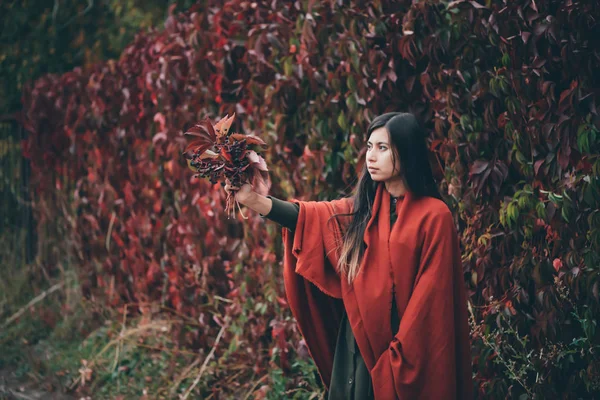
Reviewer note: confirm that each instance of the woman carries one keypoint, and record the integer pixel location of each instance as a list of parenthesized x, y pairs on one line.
[(375, 281)]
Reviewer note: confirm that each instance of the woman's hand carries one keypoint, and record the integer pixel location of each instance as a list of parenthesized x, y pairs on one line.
[(242, 194), (247, 196)]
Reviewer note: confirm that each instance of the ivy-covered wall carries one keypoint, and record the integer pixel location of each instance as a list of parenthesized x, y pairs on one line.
[(508, 92)]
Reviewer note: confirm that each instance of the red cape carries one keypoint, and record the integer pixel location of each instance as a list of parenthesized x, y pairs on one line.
[(429, 357)]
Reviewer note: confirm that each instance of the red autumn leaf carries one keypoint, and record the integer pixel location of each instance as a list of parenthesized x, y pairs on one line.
[(557, 264), (250, 139), (206, 138), (478, 167), (537, 165), (175, 299), (160, 118), (477, 5), (222, 127), (282, 301), (153, 271), (257, 160), (157, 206), (129, 196), (115, 237)]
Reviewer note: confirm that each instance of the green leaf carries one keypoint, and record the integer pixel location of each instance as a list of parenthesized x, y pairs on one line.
[(520, 157), (351, 83), (583, 141), (341, 120), (565, 213), (540, 209), (351, 103), (512, 213), (465, 122), (288, 68), (355, 60), (336, 84), (555, 198), (503, 86)]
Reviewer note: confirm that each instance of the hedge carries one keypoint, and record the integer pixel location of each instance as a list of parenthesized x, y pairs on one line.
[(506, 90)]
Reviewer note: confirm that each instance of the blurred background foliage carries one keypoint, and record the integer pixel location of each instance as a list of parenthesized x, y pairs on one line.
[(158, 292), (45, 36)]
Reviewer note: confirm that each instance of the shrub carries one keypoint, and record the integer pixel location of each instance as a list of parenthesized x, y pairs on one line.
[(506, 91)]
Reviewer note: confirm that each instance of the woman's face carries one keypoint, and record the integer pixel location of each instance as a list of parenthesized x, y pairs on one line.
[(380, 159)]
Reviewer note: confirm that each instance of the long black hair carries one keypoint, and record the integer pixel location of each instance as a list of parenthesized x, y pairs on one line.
[(408, 143)]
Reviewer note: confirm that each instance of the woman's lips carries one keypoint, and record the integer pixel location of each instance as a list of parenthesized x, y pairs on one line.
[(372, 169)]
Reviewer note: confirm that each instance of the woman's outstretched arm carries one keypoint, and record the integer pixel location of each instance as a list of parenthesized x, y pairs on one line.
[(282, 212)]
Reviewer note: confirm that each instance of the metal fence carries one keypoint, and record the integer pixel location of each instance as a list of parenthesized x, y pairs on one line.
[(17, 227)]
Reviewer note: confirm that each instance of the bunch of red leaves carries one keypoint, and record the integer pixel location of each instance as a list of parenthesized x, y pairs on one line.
[(220, 156)]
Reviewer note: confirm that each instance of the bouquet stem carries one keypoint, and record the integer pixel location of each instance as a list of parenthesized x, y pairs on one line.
[(231, 205)]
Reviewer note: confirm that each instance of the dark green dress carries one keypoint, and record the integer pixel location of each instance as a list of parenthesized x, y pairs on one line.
[(350, 378)]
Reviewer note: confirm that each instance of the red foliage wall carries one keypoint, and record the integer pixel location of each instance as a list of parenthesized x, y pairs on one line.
[(507, 91)]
